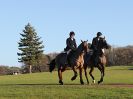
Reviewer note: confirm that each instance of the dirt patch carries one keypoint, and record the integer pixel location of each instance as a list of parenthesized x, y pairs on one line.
[(119, 85)]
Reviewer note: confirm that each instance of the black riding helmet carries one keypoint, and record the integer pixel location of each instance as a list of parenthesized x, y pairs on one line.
[(99, 33), (72, 33)]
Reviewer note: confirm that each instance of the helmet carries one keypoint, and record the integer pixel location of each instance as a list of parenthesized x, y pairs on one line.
[(72, 33), (99, 33)]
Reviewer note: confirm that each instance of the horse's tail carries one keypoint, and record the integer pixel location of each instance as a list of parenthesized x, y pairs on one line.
[(52, 65)]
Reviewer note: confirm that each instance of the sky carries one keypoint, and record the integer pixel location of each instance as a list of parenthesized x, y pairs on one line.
[(54, 19)]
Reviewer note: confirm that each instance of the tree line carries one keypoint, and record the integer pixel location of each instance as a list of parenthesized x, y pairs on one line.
[(42, 67), (120, 56)]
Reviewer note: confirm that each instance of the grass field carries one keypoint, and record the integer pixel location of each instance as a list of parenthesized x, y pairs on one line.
[(45, 85)]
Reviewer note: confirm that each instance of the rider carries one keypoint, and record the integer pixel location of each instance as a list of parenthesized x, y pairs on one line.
[(94, 46), (71, 43)]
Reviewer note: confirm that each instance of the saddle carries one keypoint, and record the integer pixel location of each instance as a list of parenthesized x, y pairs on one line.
[(66, 55)]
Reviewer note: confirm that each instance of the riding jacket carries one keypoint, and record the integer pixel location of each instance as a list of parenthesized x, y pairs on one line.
[(71, 44)]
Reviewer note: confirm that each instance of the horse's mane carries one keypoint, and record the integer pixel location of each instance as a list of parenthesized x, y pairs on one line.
[(80, 49), (80, 45)]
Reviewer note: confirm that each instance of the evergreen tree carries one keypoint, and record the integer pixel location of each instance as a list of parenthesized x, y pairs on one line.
[(31, 48)]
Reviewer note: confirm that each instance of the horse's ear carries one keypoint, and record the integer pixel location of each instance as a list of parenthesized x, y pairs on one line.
[(81, 41), (86, 40), (104, 37)]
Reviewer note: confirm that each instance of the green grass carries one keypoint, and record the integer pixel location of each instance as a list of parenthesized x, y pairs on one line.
[(45, 85)]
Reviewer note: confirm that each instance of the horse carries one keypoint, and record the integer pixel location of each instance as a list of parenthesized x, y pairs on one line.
[(97, 59), (75, 61)]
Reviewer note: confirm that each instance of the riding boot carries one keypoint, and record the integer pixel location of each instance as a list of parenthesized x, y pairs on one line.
[(66, 59)]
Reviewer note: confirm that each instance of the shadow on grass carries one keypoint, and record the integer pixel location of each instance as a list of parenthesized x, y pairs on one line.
[(85, 85), (130, 69), (53, 84)]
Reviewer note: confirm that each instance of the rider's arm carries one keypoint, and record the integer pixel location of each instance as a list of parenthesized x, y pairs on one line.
[(93, 41), (94, 44)]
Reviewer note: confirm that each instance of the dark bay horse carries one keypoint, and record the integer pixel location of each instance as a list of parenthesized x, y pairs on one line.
[(98, 60), (76, 61)]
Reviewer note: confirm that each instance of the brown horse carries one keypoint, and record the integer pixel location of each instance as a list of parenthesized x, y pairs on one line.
[(75, 61), (98, 60)]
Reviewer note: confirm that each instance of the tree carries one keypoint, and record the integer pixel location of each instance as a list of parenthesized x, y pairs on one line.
[(30, 47), (120, 56)]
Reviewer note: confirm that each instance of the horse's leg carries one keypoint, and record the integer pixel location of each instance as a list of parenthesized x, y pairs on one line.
[(63, 69), (75, 73), (102, 74), (60, 76), (85, 70), (81, 79), (103, 68), (91, 70)]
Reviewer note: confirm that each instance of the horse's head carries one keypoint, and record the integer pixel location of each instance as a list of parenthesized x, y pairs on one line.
[(84, 45), (103, 43)]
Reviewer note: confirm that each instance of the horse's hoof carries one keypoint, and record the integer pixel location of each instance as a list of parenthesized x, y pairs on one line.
[(73, 78), (94, 81), (82, 83), (99, 82), (61, 83)]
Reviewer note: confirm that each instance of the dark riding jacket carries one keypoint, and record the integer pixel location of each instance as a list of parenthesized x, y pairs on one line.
[(71, 44), (95, 42)]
